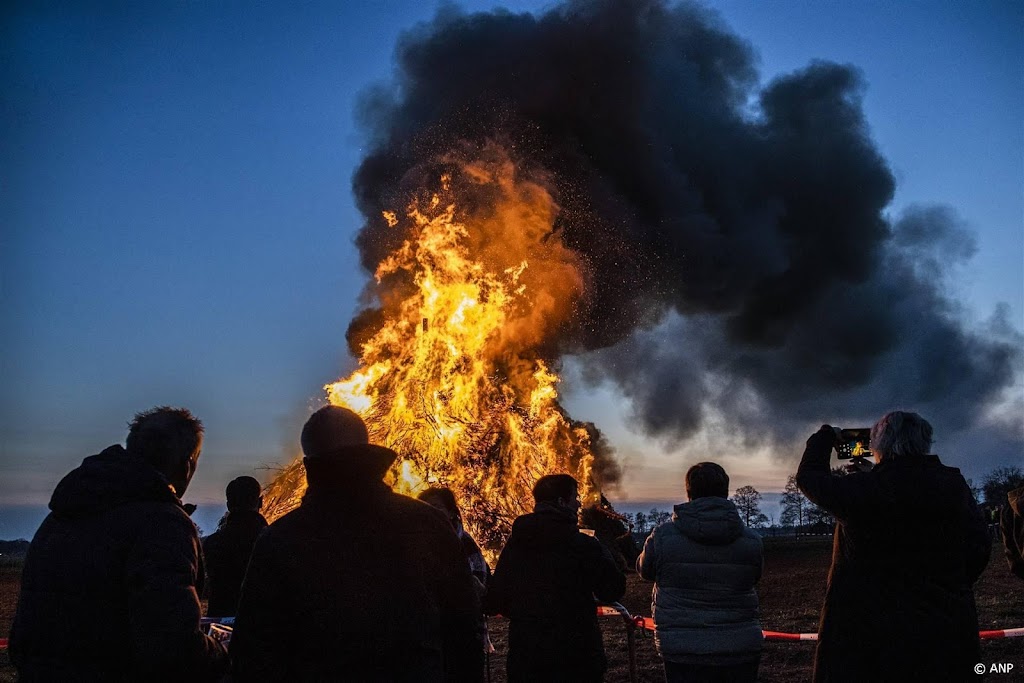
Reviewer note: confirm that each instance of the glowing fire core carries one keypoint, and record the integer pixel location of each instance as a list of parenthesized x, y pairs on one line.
[(454, 379)]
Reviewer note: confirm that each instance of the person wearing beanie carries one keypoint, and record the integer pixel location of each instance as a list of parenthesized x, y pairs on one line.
[(228, 549), (358, 583)]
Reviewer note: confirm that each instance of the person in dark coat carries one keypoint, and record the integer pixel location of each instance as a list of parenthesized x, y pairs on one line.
[(358, 583), (443, 500), (1011, 525), (705, 564), (546, 580), (109, 586), (228, 549), (910, 542)]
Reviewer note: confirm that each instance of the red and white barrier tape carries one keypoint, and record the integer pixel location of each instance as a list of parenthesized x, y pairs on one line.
[(647, 624)]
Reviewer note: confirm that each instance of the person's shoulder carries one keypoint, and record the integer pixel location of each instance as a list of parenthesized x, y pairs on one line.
[(157, 516), (287, 524), (212, 540), (415, 513)]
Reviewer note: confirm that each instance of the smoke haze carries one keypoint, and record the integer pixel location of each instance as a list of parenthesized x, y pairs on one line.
[(736, 257)]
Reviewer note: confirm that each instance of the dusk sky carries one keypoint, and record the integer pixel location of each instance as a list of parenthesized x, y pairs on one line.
[(178, 222)]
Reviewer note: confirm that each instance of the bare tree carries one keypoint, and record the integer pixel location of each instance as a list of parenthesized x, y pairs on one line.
[(659, 517), (795, 505), (748, 502), (999, 482), (640, 519)]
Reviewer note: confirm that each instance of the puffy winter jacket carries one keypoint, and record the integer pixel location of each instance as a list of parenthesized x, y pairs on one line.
[(705, 565), (109, 587)]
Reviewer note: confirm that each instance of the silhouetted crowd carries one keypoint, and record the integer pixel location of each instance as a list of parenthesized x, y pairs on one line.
[(359, 583)]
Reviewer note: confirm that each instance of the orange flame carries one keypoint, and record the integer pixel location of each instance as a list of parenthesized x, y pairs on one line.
[(454, 380)]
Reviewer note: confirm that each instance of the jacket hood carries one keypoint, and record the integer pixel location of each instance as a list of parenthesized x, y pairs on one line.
[(546, 526), (108, 480), (710, 520), (1016, 499)]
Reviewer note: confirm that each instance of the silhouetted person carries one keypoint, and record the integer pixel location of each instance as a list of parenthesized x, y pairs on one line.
[(547, 578), (1012, 527), (705, 564), (611, 529), (228, 549), (109, 587), (909, 544), (358, 583), (444, 500)]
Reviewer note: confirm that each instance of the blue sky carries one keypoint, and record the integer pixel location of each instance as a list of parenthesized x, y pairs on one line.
[(178, 224)]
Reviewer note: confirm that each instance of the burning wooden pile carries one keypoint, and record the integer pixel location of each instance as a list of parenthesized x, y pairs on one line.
[(455, 374)]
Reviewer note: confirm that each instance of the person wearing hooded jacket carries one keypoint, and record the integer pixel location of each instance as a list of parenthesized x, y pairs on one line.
[(358, 583), (545, 582), (109, 586), (909, 544), (705, 564), (1011, 525)]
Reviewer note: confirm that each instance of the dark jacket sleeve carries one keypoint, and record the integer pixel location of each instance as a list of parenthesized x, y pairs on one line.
[(837, 495), (497, 599), (979, 542), (609, 583), (460, 613), (162, 571), (261, 642)]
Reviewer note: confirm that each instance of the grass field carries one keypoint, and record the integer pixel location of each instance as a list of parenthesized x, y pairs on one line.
[(791, 592)]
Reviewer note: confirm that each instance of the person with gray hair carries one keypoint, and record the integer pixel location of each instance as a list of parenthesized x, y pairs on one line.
[(909, 544)]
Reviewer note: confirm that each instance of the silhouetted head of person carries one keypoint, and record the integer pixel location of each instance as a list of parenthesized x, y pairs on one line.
[(707, 479), (337, 449), (900, 436), (560, 490), (244, 493), (444, 500), (170, 440)]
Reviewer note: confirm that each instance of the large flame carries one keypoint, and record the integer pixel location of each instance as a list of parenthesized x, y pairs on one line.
[(455, 379)]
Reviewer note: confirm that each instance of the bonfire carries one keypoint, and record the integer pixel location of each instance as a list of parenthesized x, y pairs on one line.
[(455, 371)]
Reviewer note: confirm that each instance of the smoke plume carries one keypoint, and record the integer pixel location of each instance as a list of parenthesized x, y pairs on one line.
[(732, 237)]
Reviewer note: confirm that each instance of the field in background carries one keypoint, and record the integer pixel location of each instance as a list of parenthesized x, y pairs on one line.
[(791, 593)]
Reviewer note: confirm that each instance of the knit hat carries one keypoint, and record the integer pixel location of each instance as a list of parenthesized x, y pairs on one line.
[(340, 436)]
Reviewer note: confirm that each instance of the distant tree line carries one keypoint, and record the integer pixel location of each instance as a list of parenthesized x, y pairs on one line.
[(803, 516)]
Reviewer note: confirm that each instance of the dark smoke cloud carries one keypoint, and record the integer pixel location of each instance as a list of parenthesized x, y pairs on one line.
[(737, 251)]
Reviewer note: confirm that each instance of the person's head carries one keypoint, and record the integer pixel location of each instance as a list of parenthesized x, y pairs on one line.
[(444, 500), (560, 490), (243, 493), (169, 439), (337, 447), (901, 436), (706, 479)]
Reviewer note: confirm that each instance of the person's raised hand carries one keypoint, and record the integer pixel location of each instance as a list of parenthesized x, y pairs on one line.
[(823, 439)]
